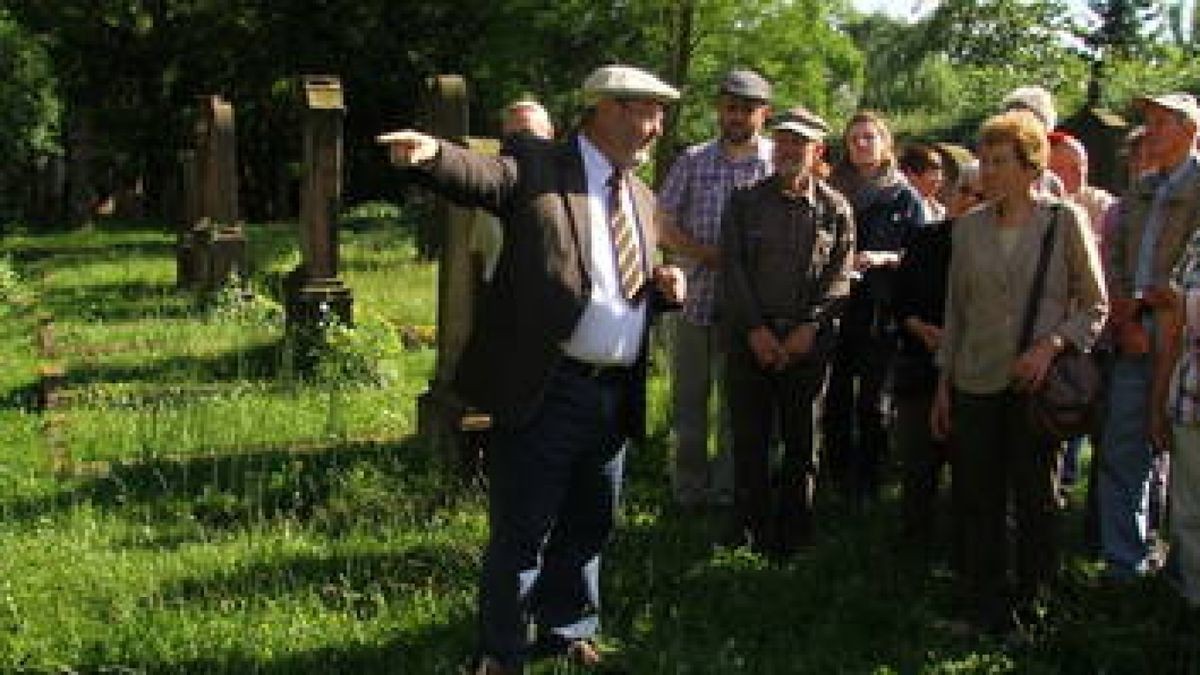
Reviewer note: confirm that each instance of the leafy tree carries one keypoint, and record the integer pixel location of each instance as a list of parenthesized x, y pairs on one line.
[(797, 45), (29, 113), (1126, 29)]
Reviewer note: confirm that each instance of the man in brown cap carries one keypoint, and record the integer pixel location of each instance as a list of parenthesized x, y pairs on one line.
[(787, 244), (691, 202), (558, 355)]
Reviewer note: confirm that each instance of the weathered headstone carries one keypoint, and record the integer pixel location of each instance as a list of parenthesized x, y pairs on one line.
[(444, 421), (315, 294), (216, 243)]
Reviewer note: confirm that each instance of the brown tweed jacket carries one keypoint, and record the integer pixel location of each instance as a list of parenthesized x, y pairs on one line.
[(541, 283)]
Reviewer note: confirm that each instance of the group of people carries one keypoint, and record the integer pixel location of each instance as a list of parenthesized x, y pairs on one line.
[(842, 312)]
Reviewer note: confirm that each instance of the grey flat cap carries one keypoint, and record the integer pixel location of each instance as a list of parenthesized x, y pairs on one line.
[(1177, 101), (746, 84), (626, 82), (801, 121)]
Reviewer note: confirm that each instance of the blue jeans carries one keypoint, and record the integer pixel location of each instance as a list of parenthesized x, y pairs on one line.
[(1124, 476), (553, 488)]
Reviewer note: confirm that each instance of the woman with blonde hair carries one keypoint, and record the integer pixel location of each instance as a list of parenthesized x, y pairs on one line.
[(987, 373), (888, 214)]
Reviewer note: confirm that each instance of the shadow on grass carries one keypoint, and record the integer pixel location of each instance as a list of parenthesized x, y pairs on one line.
[(440, 649), (68, 252), (261, 362), (333, 487), (118, 301), (856, 602)]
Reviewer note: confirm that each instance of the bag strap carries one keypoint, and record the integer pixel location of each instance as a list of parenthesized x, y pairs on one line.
[(1039, 280)]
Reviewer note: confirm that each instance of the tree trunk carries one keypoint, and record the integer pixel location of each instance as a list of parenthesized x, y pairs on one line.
[(677, 73)]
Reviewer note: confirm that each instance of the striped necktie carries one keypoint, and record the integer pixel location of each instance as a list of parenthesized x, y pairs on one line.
[(630, 272)]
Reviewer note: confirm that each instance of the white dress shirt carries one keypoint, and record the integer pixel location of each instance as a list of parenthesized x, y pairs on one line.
[(611, 328)]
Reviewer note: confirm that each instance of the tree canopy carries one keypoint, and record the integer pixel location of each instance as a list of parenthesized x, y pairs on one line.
[(119, 78)]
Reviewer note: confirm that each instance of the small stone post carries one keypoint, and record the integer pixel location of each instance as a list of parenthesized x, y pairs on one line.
[(314, 292)]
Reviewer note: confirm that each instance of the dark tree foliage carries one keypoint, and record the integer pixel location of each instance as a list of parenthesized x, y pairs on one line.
[(130, 72)]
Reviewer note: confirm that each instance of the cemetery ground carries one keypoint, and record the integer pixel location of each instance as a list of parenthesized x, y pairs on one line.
[(189, 502)]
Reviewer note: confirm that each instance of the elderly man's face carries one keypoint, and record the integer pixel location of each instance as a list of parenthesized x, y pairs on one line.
[(1169, 136), (1069, 166), (794, 155), (739, 119), (629, 126), (528, 118)]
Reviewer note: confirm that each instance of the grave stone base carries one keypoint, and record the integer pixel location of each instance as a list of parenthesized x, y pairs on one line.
[(311, 305), (455, 434), (223, 254)]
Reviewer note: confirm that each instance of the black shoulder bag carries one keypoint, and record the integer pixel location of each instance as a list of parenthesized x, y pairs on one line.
[(1064, 406)]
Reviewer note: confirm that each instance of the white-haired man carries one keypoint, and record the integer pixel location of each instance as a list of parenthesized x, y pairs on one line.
[(1155, 221), (558, 356)]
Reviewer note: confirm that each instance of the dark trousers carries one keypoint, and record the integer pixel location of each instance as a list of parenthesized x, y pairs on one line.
[(1000, 454), (553, 487), (923, 461), (759, 402), (854, 421)]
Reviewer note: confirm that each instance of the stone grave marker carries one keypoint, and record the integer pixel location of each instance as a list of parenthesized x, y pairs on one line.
[(444, 421), (314, 292), (215, 244)]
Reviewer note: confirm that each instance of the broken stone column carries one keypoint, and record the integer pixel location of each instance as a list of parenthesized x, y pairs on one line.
[(217, 245)]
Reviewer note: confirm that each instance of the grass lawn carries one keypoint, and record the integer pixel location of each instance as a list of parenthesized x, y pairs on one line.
[(195, 505)]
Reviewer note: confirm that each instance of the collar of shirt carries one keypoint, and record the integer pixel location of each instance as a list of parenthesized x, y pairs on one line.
[(596, 168), (1163, 181), (760, 155), (807, 195)]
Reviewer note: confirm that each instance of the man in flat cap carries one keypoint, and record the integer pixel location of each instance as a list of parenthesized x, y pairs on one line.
[(558, 355), (787, 246), (1156, 218), (691, 203)]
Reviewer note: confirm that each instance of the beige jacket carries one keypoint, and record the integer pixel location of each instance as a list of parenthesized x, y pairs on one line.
[(988, 291)]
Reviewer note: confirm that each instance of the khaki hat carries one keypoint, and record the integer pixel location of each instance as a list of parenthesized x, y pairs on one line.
[(1177, 101), (615, 81), (801, 121), (746, 84)]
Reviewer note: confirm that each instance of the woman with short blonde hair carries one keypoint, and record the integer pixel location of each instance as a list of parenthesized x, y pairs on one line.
[(987, 374)]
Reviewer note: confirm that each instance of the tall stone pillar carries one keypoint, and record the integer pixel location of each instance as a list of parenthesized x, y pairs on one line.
[(315, 294), (443, 420)]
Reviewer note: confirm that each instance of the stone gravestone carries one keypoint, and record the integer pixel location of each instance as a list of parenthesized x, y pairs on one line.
[(216, 243), (314, 292), (444, 422)]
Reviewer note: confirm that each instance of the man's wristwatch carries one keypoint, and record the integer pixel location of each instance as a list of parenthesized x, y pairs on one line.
[(1057, 342)]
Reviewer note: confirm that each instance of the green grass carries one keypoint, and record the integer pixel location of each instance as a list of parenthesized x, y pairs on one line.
[(199, 506)]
